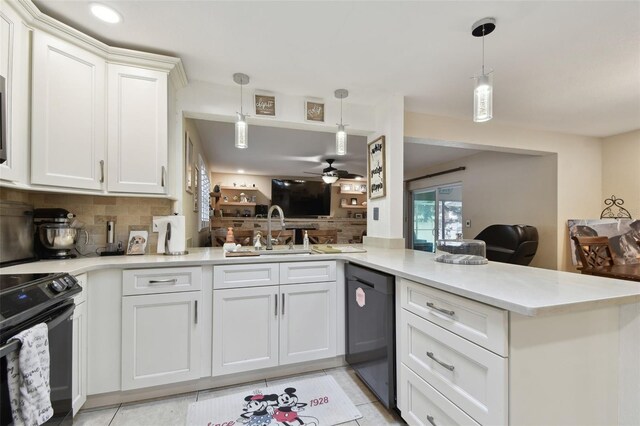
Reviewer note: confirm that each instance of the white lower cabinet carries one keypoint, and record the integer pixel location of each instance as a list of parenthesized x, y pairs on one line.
[(265, 326), (448, 372), (160, 339), (80, 348)]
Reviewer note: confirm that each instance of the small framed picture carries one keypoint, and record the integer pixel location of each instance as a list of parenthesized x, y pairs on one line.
[(362, 188), (354, 201), (137, 242), (358, 215), (376, 173), (346, 187), (196, 169), (265, 105), (188, 163), (314, 110)]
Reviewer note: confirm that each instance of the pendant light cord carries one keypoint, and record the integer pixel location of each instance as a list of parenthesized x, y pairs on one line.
[(483, 50), (241, 87), (341, 111)]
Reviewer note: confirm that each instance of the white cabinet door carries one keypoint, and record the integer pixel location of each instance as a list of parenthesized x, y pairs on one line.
[(308, 322), (245, 329), (79, 357), (160, 339), (68, 120), (14, 67), (137, 130)]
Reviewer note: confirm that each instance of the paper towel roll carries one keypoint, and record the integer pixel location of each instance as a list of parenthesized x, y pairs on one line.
[(176, 242)]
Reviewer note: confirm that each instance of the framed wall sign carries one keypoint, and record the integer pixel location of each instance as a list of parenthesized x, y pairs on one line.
[(376, 173), (188, 163), (195, 188), (314, 111), (265, 105)]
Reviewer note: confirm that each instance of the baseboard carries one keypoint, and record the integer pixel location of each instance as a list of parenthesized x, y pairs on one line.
[(120, 397)]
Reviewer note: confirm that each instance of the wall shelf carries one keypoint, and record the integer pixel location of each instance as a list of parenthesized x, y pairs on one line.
[(352, 192), (238, 188), (236, 203), (350, 206)]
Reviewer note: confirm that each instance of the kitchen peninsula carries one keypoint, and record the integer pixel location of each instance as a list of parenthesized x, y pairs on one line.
[(538, 338)]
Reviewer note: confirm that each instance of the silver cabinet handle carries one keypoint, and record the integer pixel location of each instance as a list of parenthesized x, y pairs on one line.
[(447, 366), (101, 171), (275, 297), (170, 280), (282, 303), (431, 420), (164, 170), (195, 320), (444, 311)]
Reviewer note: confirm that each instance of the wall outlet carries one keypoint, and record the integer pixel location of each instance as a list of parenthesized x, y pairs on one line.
[(154, 222), (467, 223)]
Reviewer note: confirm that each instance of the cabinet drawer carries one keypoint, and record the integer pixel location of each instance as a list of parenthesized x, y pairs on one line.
[(236, 276), (422, 405), (162, 280), (307, 272), (480, 323), (472, 377)]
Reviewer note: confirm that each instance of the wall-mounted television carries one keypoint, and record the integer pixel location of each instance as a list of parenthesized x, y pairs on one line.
[(301, 198)]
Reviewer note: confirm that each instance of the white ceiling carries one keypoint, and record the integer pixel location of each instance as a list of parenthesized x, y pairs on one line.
[(276, 151), (568, 66)]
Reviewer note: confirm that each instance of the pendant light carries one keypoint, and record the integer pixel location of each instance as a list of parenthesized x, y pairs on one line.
[(341, 135), (483, 90), (242, 130)]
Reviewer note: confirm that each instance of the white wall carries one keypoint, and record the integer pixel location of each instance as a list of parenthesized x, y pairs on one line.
[(579, 162), (621, 170), (505, 188), (195, 236), (388, 230)]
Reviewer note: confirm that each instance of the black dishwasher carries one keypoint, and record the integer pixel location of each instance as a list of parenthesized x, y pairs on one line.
[(370, 334)]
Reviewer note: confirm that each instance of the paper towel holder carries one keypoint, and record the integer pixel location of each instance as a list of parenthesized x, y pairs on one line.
[(166, 244)]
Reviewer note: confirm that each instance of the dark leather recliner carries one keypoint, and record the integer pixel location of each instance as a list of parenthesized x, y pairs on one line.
[(510, 243)]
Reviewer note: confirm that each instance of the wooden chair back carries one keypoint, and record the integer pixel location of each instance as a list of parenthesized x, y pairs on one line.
[(594, 251), (284, 237), (329, 236), (240, 236)]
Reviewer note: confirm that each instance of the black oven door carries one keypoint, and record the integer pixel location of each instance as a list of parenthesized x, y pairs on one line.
[(60, 350)]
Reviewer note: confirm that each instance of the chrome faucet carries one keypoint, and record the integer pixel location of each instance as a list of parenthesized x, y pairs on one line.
[(281, 213)]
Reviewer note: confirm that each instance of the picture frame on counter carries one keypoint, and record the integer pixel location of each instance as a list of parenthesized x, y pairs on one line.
[(188, 163), (376, 173), (264, 104), (314, 110), (137, 242)]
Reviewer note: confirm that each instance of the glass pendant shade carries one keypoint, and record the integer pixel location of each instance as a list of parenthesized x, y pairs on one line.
[(330, 178), (341, 141), (242, 132), (483, 98)]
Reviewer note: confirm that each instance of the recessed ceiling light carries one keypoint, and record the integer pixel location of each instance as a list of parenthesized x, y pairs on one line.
[(105, 13), (240, 171)]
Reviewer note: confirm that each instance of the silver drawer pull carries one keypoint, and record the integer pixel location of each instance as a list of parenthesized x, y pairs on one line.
[(444, 311), (447, 366), (431, 420), (169, 281)]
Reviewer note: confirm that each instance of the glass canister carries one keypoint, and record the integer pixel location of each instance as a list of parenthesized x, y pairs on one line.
[(461, 251)]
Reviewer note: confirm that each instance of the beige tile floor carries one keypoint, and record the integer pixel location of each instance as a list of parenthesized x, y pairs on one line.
[(173, 410)]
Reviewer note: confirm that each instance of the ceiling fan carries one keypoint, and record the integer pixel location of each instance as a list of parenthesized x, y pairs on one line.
[(331, 174)]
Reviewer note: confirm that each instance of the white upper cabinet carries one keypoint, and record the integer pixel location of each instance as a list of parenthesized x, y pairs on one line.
[(68, 115), (137, 130), (14, 67)]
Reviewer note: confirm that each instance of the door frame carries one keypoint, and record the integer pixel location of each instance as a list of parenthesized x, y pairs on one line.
[(435, 188)]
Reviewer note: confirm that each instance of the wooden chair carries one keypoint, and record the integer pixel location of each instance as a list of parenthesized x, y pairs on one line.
[(594, 252), (284, 237), (328, 236), (240, 236)]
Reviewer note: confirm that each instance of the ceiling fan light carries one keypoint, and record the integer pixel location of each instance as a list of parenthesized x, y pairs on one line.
[(330, 178), (341, 141), (242, 132)]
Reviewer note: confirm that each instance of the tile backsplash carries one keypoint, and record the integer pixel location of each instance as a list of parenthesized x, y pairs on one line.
[(128, 213)]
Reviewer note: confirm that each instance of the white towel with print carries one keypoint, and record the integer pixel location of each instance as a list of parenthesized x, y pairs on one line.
[(28, 377)]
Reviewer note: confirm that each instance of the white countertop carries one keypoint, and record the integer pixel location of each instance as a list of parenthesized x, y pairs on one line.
[(524, 290)]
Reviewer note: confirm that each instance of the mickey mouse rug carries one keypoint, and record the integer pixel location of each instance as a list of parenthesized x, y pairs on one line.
[(318, 402)]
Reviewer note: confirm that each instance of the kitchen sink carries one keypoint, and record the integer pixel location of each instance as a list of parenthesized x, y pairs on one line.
[(283, 251)]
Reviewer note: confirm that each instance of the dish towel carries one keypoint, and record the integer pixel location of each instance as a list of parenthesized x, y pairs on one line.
[(28, 377)]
